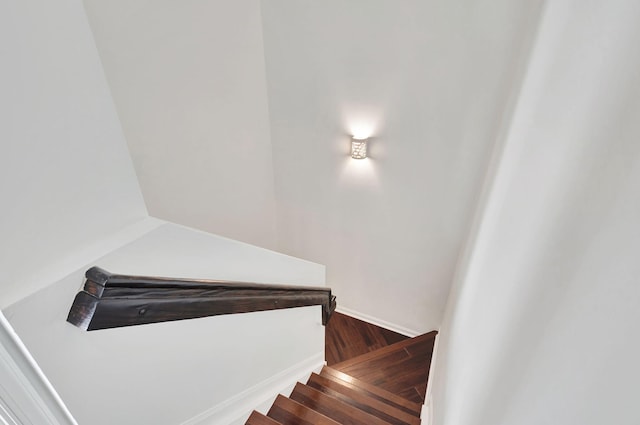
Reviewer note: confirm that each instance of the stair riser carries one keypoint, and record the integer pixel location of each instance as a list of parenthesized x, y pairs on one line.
[(333, 408), (370, 406), (373, 392)]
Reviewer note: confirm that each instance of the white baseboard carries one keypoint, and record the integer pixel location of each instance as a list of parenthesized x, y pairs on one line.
[(425, 415), (379, 322), (238, 408), (427, 407)]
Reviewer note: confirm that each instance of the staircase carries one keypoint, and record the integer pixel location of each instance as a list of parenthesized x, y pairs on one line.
[(385, 386)]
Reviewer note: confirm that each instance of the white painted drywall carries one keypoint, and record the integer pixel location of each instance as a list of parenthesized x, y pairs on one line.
[(169, 373), (429, 80), (66, 178), (70, 199), (542, 327), (188, 82)]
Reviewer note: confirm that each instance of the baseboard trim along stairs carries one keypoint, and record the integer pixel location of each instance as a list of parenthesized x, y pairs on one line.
[(402, 330), (384, 386)]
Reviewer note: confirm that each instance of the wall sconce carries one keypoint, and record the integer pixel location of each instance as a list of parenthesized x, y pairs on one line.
[(358, 148)]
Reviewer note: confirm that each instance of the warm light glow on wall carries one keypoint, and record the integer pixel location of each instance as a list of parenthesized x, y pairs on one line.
[(358, 148), (361, 127)]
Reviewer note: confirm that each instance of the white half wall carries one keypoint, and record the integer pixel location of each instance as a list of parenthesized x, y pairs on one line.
[(429, 81), (188, 81), (66, 178), (542, 326), (200, 371)]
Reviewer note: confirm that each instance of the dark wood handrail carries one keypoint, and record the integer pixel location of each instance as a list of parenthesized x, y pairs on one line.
[(112, 301)]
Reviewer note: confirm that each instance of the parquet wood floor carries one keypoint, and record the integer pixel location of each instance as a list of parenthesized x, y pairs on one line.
[(347, 337)]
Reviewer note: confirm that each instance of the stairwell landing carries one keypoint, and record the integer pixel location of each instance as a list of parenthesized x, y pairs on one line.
[(374, 376)]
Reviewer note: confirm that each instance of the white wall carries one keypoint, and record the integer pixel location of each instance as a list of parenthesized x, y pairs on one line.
[(542, 325), (429, 80), (205, 371), (70, 199), (188, 82), (66, 178)]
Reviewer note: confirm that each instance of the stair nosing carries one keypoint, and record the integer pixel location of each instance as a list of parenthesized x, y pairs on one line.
[(262, 417)]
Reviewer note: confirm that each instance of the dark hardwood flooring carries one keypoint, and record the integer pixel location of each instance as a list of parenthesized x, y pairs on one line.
[(347, 338), (380, 357), (377, 377), (401, 368)]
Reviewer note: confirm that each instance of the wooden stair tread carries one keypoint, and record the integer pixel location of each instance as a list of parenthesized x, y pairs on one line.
[(258, 418), (401, 368), (406, 378), (412, 370), (288, 412), (370, 384), (332, 407), (362, 401), (373, 391), (389, 349)]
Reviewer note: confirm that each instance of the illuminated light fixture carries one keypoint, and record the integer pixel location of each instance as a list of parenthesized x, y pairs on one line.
[(358, 148)]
